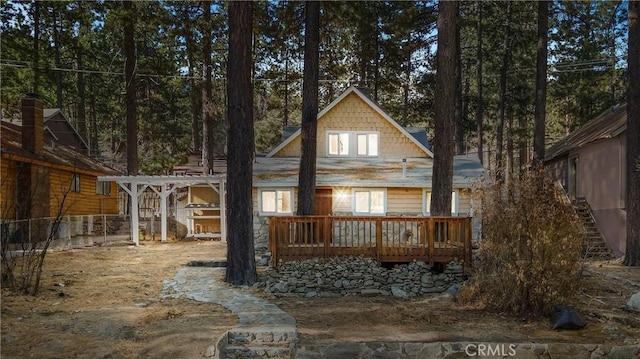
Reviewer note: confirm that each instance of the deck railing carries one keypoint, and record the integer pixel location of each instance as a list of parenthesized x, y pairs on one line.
[(388, 239)]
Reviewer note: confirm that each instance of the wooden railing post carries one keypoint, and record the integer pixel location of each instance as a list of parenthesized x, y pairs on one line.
[(430, 241), (378, 239), (326, 236)]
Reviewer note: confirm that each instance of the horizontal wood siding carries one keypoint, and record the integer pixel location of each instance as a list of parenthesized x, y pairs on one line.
[(204, 194), (7, 188), (404, 200), (354, 114), (87, 201)]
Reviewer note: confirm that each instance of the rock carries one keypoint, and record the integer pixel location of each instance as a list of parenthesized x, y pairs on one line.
[(141, 305), (338, 283), (282, 287), (311, 294), (370, 292), (263, 261), (433, 290), (399, 293), (453, 290), (426, 278), (634, 302)]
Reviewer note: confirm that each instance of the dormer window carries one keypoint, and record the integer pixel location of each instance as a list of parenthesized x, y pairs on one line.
[(353, 144)]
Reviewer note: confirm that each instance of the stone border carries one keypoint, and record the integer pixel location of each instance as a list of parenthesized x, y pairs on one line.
[(442, 350), (357, 275)]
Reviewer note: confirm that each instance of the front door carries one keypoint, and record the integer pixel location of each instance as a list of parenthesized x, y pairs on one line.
[(324, 206), (324, 203)]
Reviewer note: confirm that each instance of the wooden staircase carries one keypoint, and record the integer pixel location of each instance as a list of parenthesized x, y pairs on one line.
[(594, 245)]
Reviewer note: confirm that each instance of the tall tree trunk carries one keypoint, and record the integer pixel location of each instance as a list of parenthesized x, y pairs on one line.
[(523, 150), (130, 80), (479, 110), (286, 90), (194, 92), (632, 253), (93, 125), (510, 156), (444, 109), (241, 264), (82, 115), (502, 100), (405, 88), (307, 174), (459, 125), (56, 55), (36, 47), (208, 118), (541, 83)]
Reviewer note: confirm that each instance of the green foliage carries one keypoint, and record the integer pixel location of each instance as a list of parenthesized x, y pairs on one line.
[(530, 257)]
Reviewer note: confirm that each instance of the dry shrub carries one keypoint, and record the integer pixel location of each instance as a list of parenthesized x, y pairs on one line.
[(530, 257)]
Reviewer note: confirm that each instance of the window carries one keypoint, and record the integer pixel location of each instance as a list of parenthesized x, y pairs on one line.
[(339, 144), (274, 201), (103, 187), (427, 203), (75, 182), (368, 144), (369, 201), (353, 144)]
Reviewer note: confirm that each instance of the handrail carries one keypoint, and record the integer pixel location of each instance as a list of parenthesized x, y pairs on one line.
[(388, 239)]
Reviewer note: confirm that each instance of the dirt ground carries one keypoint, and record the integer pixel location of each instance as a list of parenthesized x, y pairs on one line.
[(103, 302)]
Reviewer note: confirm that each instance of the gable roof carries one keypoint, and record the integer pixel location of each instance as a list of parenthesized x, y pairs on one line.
[(59, 127), (608, 124), (53, 154), (369, 102)]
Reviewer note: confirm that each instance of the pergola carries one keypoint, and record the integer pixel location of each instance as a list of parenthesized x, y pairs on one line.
[(163, 186)]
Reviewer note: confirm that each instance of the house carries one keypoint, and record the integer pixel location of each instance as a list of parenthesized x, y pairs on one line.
[(42, 178), (58, 129), (590, 163), (367, 166)]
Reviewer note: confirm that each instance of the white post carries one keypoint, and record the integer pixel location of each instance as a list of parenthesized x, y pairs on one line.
[(104, 227), (223, 212), (163, 212), (135, 231)]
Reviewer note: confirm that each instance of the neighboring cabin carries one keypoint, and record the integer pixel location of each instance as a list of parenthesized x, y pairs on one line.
[(367, 165), (590, 163), (38, 166)]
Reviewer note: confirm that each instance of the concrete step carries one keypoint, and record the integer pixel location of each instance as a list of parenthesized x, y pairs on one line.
[(275, 336), (255, 352)]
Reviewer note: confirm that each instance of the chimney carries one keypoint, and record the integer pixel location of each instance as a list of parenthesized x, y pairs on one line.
[(32, 127)]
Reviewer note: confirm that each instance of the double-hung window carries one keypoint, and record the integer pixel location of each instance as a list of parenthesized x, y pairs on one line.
[(353, 144), (369, 201), (276, 201), (427, 203)]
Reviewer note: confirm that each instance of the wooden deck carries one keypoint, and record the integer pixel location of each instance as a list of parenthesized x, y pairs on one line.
[(388, 239)]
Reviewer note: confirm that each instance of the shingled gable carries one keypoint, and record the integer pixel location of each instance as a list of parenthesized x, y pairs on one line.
[(369, 102)]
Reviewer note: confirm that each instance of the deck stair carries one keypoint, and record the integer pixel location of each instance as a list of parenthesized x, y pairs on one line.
[(594, 245)]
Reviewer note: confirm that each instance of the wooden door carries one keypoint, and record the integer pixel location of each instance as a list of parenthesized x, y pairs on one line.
[(324, 207), (324, 202)]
